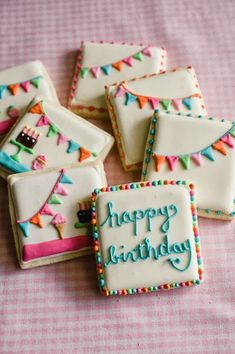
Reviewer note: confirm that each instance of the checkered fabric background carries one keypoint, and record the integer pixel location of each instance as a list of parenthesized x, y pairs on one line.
[(58, 309)]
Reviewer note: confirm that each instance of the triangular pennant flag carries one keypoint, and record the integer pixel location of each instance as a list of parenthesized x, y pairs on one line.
[(36, 81), (172, 160), (95, 71), (3, 89), (13, 88), (84, 72), (43, 120), (208, 152), (154, 102), (130, 98), (138, 56), (197, 158), (142, 101), (60, 230), (60, 189), (24, 227), (187, 102), (147, 51), (227, 140), (59, 219), (177, 103), (65, 179), (84, 154), (25, 86), (46, 210), (62, 139), (120, 91), (36, 219), (165, 104), (73, 146), (54, 200), (185, 160), (219, 146), (232, 132), (53, 130), (106, 69), (118, 65), (128, 61), (37, 108), (158, 160)]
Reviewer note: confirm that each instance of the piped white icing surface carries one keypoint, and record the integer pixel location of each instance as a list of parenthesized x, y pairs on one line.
[(133, 122), (146, 272), (180, 135), (90, 91)]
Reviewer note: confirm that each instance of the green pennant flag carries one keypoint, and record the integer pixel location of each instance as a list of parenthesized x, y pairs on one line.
[(53, 130), (165, 104), (36, 81), (185, 160), (138, 56), (84, 72), (54, 200), (232, 132)]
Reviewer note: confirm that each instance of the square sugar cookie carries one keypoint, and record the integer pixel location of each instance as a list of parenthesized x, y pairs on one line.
[(51, 214), (146, 237), (131, 105), (49, 135), (101, 64), (18, 86), (197, 149)]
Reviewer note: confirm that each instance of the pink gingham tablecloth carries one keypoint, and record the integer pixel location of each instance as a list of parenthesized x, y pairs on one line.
[(58, 309)]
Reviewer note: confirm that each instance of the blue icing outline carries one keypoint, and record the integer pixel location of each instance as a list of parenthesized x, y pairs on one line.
[(12, 165)]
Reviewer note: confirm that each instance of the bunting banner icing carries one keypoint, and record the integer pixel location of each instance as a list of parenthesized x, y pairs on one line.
[(185, 160), (25, 86), (154, 102), (53, 130), (58, 220), (96, 71)]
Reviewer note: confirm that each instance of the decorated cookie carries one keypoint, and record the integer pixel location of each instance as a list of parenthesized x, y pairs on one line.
[(18, 86), (131, 105), (101, 64), (49, 135), (146, 237), (45, 210), (197, 149)]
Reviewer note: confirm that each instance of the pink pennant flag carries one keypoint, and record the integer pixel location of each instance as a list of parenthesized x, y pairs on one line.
[(25, 86), (197, 158), (172, 160), (227, 140), (60, 189), (154, 102), (128, 61), (120, 91), (147, 51), (62, 139), (177, 103), (95, 71), (43, 120), (58, 219), (46, 210)]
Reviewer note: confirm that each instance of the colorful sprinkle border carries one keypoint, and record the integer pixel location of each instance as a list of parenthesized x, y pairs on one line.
[(100, 270)]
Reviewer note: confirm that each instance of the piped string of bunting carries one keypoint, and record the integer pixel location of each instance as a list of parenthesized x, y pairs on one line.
[(72, 146), (58, 220), (154, 102), (25, 85), (219, 145), (95, 71)]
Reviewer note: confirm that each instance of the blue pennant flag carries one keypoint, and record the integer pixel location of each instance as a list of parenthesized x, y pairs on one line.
[(130, 98), (73, 146), (3, 89), (25, 228), (66, 179), (106, 69), (187, 102), (208, 152)]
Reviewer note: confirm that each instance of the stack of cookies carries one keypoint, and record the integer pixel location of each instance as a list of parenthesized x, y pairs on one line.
[(145, 234)]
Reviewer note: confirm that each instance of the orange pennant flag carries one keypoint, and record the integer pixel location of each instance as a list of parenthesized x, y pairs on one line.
[(13, 88), (37, 108), (84, 154), (36, 219), (142, 101), (159, 160), (118, 65), (219, 146)]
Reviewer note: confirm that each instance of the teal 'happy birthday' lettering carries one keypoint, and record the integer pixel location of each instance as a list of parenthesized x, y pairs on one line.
[(114, 219)]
